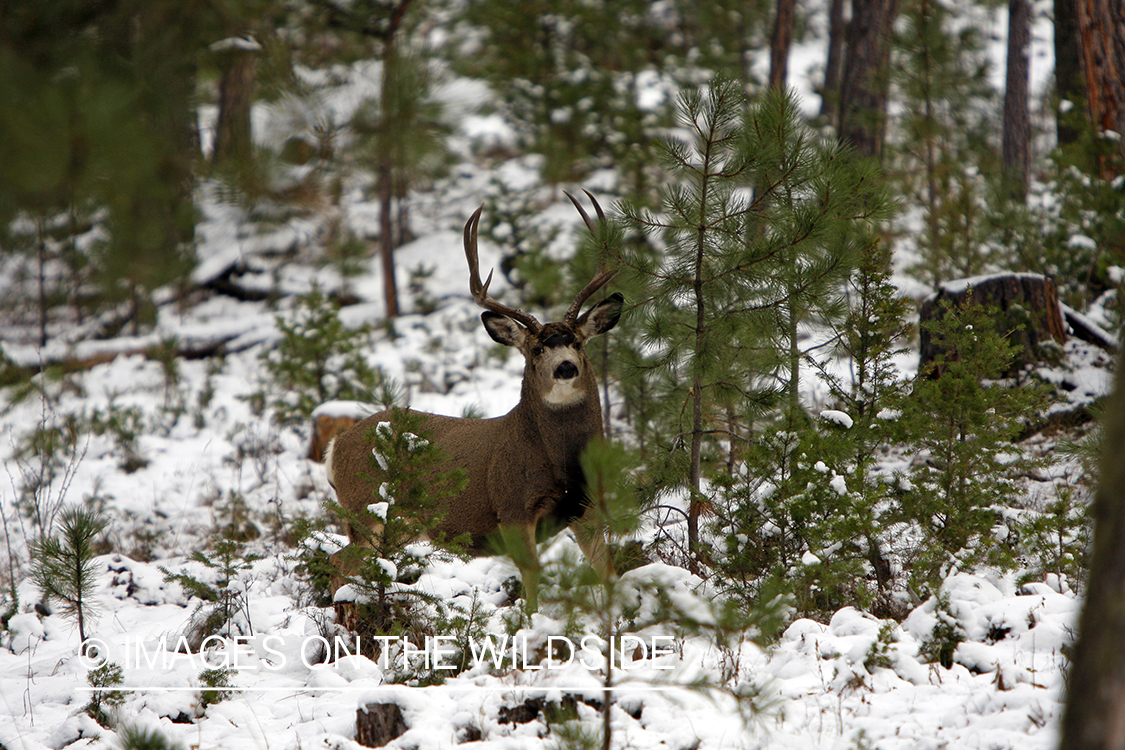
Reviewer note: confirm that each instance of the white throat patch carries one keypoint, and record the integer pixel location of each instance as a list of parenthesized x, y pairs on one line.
[(564, 393)]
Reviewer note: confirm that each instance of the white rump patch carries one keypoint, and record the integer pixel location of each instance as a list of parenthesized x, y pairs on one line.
[(328, 455)]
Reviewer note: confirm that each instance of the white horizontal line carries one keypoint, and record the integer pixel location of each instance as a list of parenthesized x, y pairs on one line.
[(372, 688)]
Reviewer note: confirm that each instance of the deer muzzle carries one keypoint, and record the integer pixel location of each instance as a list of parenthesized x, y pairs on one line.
[(566, 371)]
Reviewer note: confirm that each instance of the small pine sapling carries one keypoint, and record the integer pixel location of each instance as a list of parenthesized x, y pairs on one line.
[(512, 222), (405, 473), (946, 635), (1056, 540), (63, 565), (869, 340), (104, 697), (317, 359), (964, 420), (792, 520), (215, 680), (231, 569), (136, 737), (759, 218)]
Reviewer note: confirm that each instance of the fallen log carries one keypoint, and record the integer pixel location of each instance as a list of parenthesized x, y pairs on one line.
[(28, 361)]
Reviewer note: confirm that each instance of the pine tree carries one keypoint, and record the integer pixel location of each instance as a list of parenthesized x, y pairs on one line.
[(569, 77), (1016, 139), (873, 333), (946, 153), (758, 220), (866, 75), (1101, 36), (963, 420), (63, 566), (405, 474), (651, 600), (105, 134), (318, 359)]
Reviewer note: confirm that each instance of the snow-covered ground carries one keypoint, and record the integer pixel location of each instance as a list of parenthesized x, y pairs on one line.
[(839, 684)]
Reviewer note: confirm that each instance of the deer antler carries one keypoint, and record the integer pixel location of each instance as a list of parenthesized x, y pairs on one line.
[(604, 272), (479, 290)]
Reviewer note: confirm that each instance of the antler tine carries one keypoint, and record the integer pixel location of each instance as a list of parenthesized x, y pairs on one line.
[(604, 272), (479, 290)]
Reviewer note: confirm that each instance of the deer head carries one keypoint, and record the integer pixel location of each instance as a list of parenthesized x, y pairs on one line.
[(557, 370)]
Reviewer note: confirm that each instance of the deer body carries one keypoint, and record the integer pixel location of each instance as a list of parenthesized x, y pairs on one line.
[(522, 469)]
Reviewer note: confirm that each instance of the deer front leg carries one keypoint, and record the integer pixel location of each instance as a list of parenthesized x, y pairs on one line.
[(591, 540), (518, 543)]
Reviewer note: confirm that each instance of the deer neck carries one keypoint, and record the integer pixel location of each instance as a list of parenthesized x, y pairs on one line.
[(562, 431)]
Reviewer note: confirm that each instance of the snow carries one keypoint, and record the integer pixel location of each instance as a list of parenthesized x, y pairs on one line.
[(959, 286), (344, 408), (837, 417), (824, 689)]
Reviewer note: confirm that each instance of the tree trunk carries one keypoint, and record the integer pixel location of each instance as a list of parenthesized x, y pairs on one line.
[(386, 242), (1101, 34), (830, 96), (1095, 705), (863, 89), (41, 257), (387, 187), (376, 724), (695, 503), (780, 43), (1017, 126), (233, 135), (1068, 65)]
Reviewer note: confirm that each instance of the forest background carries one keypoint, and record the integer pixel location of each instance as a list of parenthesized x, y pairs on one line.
[(339, 126)]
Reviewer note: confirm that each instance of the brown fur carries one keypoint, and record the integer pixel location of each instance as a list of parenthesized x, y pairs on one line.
[(522, 468)]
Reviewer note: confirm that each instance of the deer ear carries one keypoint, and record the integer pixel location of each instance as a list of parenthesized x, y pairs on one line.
[(503, 329), (602, 316)]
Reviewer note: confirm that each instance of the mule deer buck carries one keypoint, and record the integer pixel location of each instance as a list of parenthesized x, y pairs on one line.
[(522, 469)]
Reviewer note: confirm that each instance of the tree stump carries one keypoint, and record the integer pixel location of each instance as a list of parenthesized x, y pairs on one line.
[(1027, 310), (330, 419), (376, 724)]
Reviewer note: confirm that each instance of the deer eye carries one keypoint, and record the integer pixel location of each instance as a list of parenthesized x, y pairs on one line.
[(537, 351)]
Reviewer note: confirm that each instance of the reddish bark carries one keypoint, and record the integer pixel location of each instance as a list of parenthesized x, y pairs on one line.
[(1101, 37)]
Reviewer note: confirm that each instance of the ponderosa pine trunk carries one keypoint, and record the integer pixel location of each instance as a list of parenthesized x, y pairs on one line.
[(233, 134), (863, 88), (1015, 147), (781, 41), (830, 95), (1068, 65), (1101, 35), (1095, 704)]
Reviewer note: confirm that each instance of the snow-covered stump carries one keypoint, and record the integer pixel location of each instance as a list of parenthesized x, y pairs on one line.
[(1027, 304), (376, 724), (330, 419)]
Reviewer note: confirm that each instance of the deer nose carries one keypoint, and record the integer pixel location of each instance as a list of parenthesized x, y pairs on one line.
[(566, 371)]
